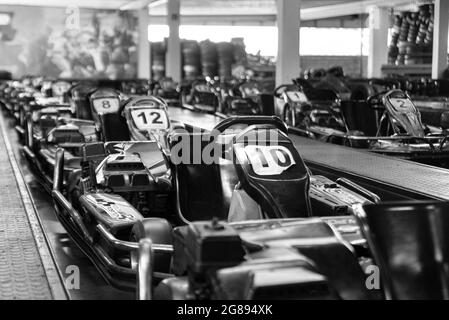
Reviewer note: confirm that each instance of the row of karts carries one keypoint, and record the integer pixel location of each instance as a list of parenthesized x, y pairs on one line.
[(386, 122), (137, 192), (372, 115)]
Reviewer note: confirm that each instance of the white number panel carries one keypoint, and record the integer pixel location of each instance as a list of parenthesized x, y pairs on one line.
[(269, 160), (106, 105), (150, 119), (402, 104)]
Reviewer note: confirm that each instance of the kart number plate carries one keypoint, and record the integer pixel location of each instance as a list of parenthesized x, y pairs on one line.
[(402, 105), (296, 96), (269, 160), (150, 119), (106, 105)]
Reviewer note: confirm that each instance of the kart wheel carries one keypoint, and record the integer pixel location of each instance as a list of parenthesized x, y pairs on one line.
[(289, 116), (160, 232)]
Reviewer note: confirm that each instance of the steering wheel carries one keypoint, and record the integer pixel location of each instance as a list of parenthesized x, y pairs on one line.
[(251, 120), (376, 100), (140, 101), (286, 87)]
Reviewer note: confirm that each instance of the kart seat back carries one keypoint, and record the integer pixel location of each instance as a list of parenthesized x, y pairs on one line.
[(114, 127), (272, 172), (360, 116), (79, 97), (199, 189), (410, 244)]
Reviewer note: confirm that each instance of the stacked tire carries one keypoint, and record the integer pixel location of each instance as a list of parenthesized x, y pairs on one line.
[(191, 59), (158, 50), (209, 59), (225, 59), (411, 41)]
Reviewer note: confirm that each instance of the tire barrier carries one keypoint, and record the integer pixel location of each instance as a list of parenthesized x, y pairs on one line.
[(411, 39), (191, 59), (209, 58), (158, 50), (225, 59)]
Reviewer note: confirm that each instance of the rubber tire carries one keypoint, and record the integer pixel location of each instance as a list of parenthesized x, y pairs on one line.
[(160, 232)]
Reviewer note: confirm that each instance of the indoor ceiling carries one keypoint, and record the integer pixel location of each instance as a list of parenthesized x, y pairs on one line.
[(311, 9)]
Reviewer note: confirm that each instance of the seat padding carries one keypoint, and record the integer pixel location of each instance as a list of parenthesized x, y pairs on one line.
[(114, 127), (272, 172), (199, 185)]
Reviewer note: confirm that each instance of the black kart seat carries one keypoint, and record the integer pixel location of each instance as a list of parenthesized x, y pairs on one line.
[(410, 244), (115, 181), (272, 172), (199, 190), (114, 127), (79, 97)]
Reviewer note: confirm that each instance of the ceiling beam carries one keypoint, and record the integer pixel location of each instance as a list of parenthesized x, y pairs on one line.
[(346, 9), (135, 5)]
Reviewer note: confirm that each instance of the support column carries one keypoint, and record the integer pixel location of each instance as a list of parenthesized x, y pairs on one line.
[(144, 53), (173, 58), (440, 33), (379, 21), (287, 62)]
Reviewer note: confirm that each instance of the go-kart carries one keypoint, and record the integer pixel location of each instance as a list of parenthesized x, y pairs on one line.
[(168, 90), (386, 123), (202, 97), (94, 117), (108, 227), (301, 105), (263, 203), (117, 184), (401, 133), (234, 102)]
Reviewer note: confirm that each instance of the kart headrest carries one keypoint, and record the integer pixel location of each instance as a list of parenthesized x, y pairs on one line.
[(146, 114), (272, 172), (79, 97), (403, 111), (104, 101)]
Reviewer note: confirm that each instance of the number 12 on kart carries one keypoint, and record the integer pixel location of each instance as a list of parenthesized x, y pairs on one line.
[(152, 119)]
